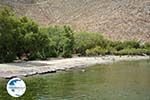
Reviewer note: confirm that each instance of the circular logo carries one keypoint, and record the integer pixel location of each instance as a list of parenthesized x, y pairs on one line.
[(16, 87)]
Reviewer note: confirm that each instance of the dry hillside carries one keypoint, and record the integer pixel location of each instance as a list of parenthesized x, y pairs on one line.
[(116, 19)]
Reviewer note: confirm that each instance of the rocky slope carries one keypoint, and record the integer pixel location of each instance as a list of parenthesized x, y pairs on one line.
[(116, 19)]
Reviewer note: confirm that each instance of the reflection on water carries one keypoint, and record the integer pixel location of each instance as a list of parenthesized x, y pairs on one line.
[(118, 81)]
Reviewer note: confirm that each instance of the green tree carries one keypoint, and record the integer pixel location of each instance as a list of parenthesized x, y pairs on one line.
[(8, 26), (19, 35)]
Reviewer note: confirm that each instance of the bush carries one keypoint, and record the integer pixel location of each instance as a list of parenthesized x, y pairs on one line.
[(61, 41), (132, 44), (147, 45), (118, 45), (8, 57), (96, 51), (68, 43), (85, 40), (133, 51), (35, 56), (36, 42)]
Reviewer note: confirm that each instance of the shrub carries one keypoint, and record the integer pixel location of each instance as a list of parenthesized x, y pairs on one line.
[(133, 51), (118, 45), (147, 45), (7, 57), (132, 44), (85, 40), (96, 51), (36, 42), (68, 43), (61, 41)]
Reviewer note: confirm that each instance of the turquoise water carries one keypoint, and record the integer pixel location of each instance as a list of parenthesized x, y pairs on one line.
[(118, 81)]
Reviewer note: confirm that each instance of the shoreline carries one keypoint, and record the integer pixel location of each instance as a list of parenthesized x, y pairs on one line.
[(30, 68)]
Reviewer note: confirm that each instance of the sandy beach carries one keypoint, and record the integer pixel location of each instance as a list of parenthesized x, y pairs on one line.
[(29, 68)]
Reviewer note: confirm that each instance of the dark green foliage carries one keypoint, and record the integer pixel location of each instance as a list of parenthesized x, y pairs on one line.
[(7, 35), (19, 36), (62, 41), (36, 42)]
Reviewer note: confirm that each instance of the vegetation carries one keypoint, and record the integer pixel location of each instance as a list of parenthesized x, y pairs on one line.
[(120, 48), (133, 52), (61, 41), (22, 37), (85, 40), (96, 51)]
